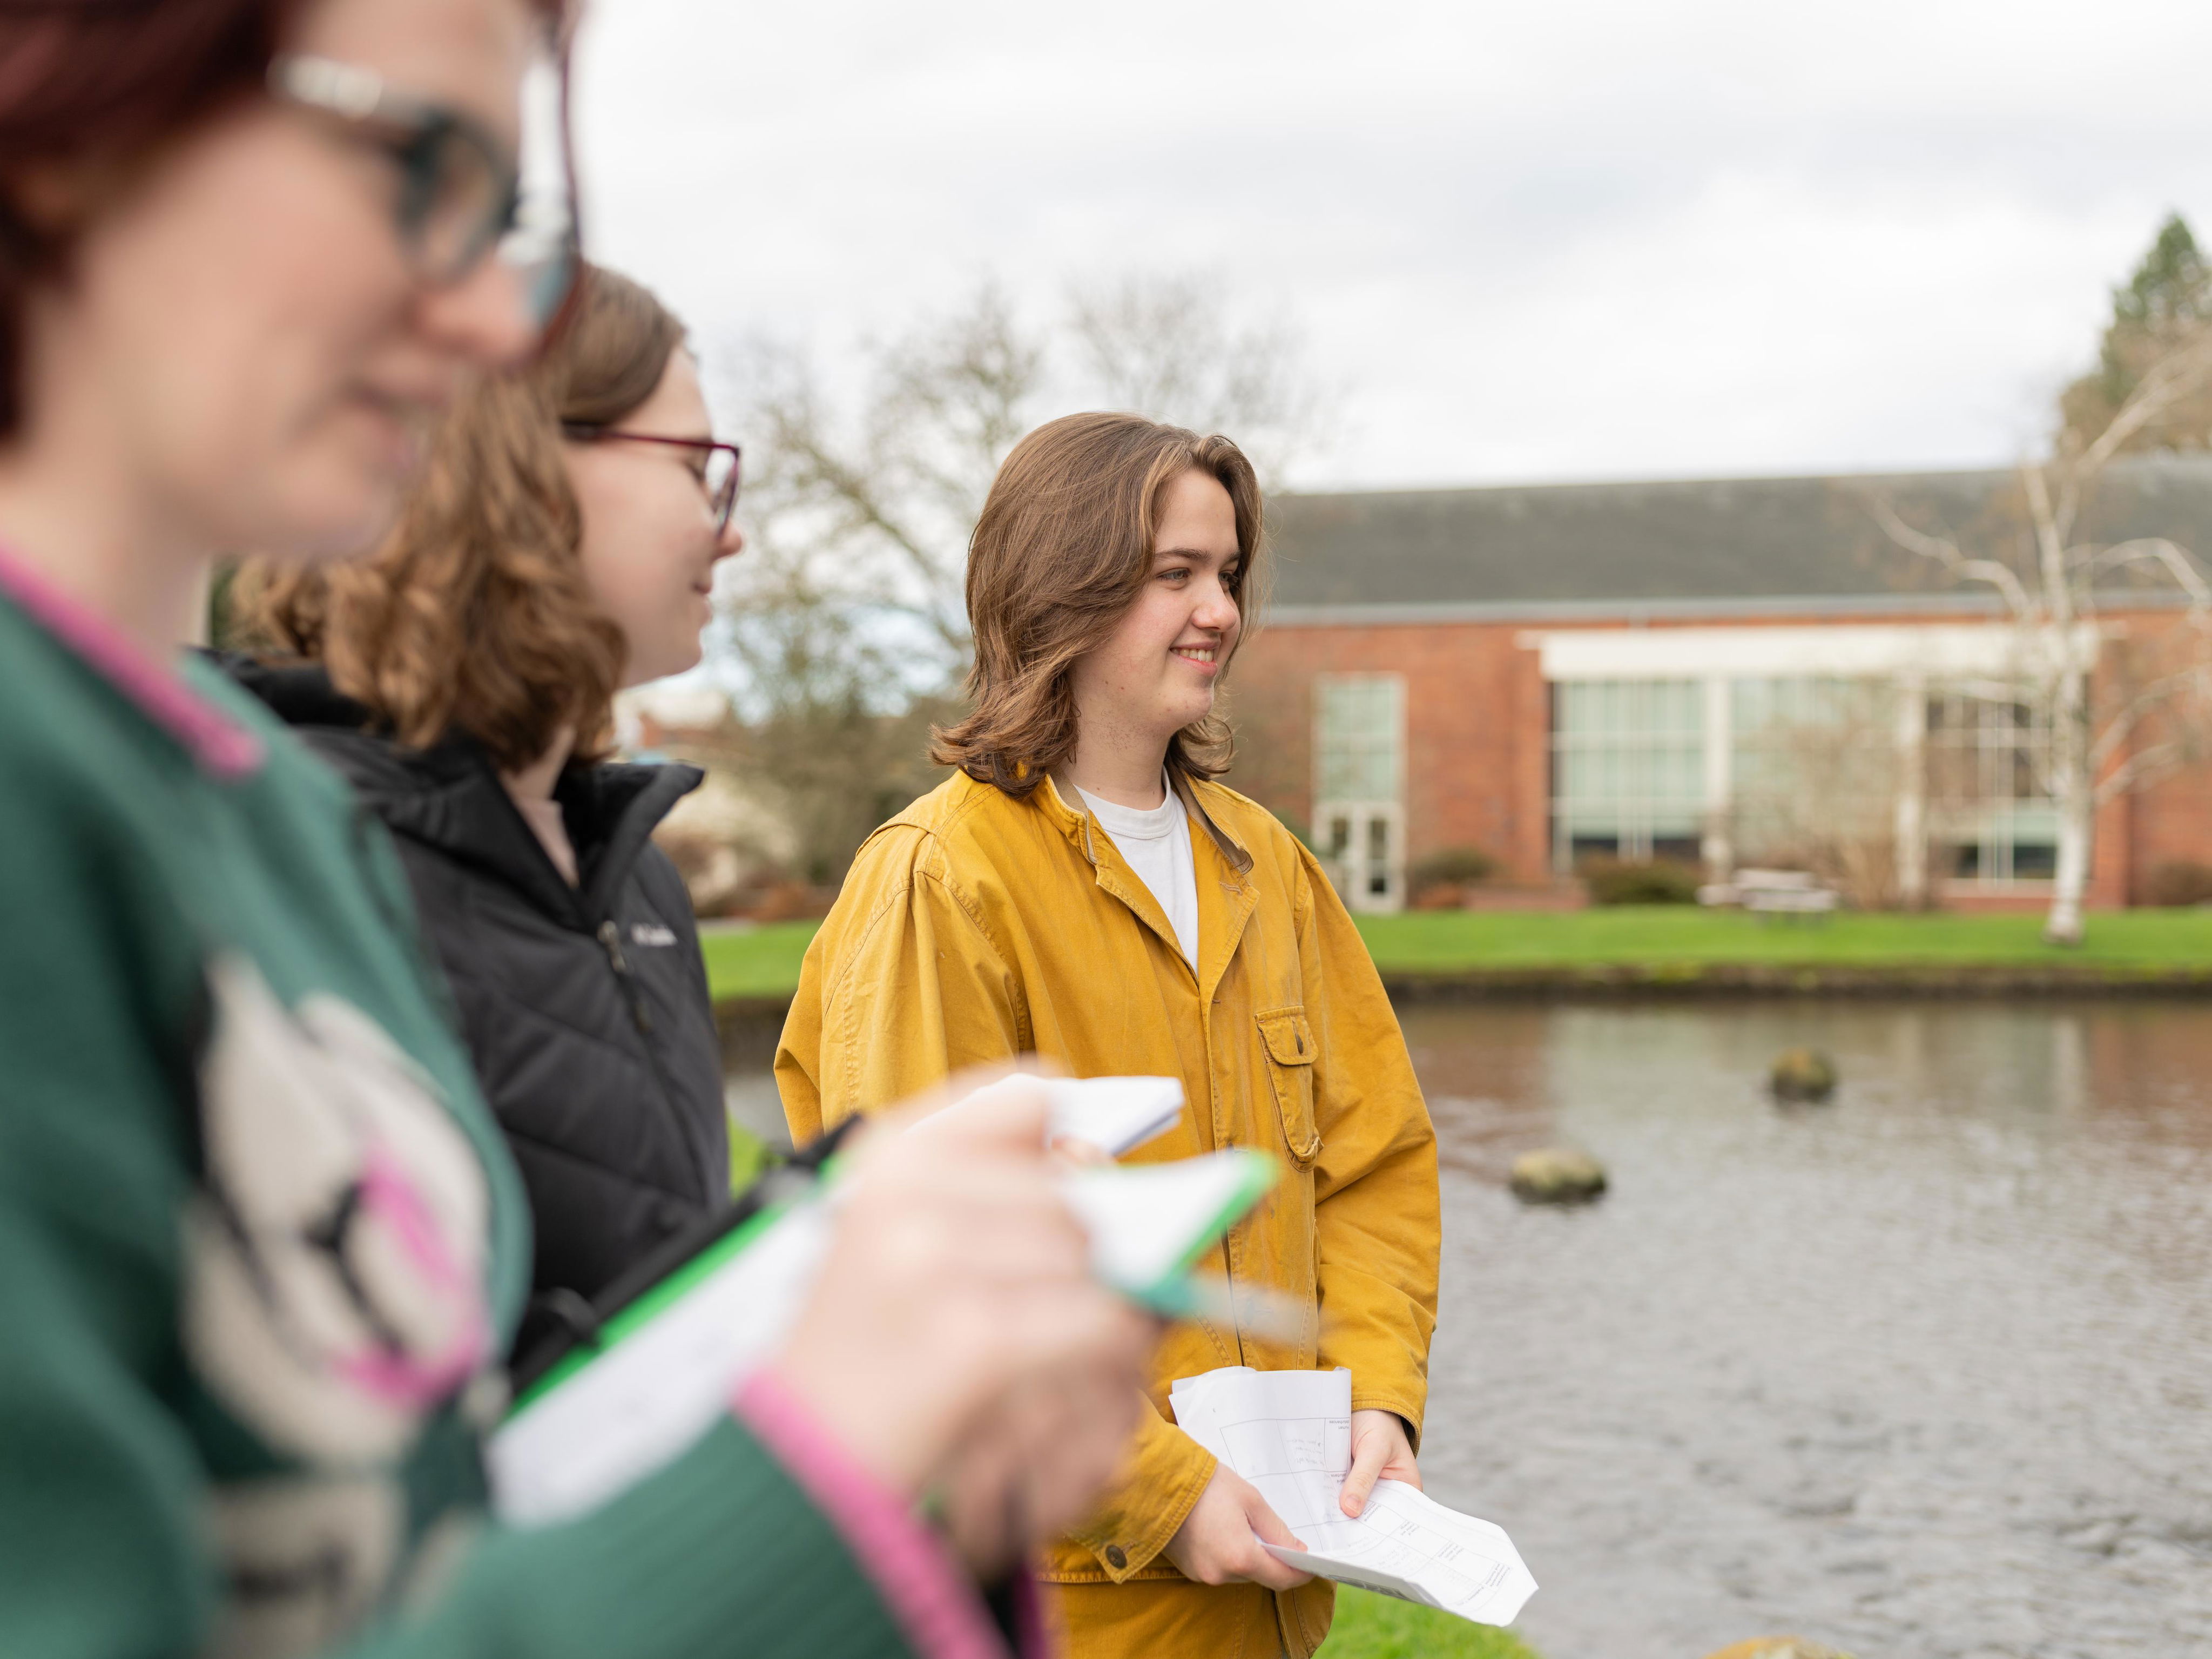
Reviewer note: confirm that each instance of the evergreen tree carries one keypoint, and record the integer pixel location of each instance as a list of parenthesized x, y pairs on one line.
[(2165, 303)]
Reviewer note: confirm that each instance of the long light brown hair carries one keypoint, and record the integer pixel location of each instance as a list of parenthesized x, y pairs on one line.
[(1061, 553), (475, 616)]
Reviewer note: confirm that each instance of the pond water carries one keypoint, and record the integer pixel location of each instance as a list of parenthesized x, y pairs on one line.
[(1925, 1373)]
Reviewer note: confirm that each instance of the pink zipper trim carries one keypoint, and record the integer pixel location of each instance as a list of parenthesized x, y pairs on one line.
[(222, 747), (910, 1566)]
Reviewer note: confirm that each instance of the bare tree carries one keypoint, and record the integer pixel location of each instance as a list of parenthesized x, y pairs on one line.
[(877, 502), (2149, 720), (870, 513), (1816, 787), (826, 733), (1168, 347)]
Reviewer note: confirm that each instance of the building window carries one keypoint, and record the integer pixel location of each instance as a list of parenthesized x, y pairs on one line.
[(1991, 817), (1814, 771), (1627, 769), (1359, 743)]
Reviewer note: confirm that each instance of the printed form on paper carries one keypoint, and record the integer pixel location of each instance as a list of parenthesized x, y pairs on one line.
[(1290, 1434)]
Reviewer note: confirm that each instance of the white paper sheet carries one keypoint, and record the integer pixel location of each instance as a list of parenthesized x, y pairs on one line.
[(1116, 1114), (1290, 1434)]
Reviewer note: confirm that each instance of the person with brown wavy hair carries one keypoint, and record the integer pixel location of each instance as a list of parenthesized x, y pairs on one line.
[(561, 546), (1067, 487), (1085, 889), (262, 1244)]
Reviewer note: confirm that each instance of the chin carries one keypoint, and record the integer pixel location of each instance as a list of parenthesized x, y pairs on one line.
[(334, 513), (1193, 713), (662, 665)]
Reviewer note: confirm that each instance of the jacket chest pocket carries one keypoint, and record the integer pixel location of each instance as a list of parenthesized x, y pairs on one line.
[(1291, 1054)]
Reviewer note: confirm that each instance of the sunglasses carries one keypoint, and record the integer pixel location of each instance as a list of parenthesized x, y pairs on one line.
[(719, 466), (464, 195)]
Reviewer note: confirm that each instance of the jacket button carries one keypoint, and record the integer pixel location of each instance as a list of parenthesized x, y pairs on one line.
[(1115, 1557), (668, 1215)]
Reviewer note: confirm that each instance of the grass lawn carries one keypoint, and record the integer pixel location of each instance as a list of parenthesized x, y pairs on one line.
[(755, 962), (1442, 941), (764, 962), (1370, 1626)]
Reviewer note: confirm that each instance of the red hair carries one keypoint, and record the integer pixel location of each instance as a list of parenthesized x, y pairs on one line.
[(88, 81), (106, 81)]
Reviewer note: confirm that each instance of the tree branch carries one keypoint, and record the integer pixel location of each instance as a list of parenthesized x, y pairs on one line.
[(2168, 555), (1945, 551)]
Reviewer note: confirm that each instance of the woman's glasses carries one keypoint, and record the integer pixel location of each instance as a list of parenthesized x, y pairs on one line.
[(463, 195), (718, 470)]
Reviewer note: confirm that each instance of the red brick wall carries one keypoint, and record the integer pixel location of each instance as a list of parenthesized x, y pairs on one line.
[(1478, 725), (1477, 729)]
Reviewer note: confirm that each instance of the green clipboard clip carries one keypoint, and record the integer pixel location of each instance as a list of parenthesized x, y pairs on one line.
[(1149, 1223)]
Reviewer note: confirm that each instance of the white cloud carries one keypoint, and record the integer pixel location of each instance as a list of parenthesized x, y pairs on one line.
[(1579, 240)]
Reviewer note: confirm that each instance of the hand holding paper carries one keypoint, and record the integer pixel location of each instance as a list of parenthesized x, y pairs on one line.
[(1116, 1114), (1224, 1539), (1290, 1434), (971, 1279), (1380, 1451), (955, 1273)]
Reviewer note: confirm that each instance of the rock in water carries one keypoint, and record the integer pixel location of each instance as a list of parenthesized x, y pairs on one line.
[(1802, 1074), (1558, 1174)]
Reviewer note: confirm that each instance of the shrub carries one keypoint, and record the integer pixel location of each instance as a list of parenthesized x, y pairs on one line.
[(1452, 866), (1634, 881), (2179, 883)]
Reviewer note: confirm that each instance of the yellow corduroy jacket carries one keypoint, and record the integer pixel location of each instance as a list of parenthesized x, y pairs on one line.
[(974, 926)]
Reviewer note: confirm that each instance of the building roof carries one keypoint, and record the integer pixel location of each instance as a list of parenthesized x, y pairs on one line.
[(1701, 548)]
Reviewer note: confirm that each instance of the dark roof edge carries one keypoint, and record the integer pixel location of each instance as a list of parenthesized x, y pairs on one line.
[(1676, 609), (2161, 460)]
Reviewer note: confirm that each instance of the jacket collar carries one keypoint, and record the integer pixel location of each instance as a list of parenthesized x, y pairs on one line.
[(1075, 824), (1226, 896), (449, 797), (1231, 848), (218, 744)]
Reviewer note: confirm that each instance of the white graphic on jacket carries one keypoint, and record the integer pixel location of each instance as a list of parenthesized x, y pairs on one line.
[(335, 1258)]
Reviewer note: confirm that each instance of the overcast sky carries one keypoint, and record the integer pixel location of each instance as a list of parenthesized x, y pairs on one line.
[(1571, 239)]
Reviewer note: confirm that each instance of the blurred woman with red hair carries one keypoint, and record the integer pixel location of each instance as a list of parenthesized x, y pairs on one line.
[(261, 1245)]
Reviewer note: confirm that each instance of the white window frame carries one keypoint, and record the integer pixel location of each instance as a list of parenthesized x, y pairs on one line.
[(1634, 836), (1922, 659), (1371, 881)]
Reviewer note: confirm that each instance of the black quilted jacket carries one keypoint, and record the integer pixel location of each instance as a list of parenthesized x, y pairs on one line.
[(586, 1008)]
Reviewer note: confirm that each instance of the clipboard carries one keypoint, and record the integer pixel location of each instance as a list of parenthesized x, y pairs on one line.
[(582, 1327), (655, 1362)]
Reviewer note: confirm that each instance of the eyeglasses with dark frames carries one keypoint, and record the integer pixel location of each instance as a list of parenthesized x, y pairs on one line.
[(718, 469), (463, 193)]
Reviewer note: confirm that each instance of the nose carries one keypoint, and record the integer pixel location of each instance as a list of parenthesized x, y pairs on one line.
[(730, 542), (484, 318), (1216, 609)]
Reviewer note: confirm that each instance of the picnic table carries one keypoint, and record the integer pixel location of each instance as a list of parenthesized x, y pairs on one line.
[(1772, 893)]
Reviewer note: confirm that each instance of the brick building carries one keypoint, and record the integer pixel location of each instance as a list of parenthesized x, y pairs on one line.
[(1717, 672)]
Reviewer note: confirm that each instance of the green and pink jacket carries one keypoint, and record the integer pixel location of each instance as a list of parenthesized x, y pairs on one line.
[(262, 1246)]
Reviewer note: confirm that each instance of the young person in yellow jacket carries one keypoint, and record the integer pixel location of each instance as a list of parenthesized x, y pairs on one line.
[(1082, 889)]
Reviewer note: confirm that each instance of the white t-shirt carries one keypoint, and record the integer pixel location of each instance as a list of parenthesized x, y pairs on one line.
[(1157, 845)]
